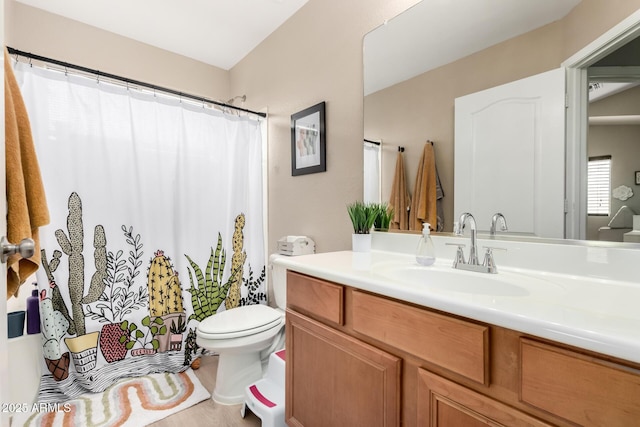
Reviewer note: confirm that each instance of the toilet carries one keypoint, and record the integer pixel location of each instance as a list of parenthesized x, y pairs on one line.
[(244, 337)]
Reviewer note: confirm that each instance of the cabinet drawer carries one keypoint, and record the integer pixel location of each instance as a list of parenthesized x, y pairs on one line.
[(582, 389), (443, 403), (459, 346), (315, 297)]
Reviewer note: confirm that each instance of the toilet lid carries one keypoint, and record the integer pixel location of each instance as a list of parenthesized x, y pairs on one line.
[(240, 321)]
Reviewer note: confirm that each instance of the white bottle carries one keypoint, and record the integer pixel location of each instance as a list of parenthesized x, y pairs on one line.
[(426, 253)]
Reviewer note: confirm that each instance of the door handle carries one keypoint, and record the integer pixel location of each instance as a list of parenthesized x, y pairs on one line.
[(25, 248)]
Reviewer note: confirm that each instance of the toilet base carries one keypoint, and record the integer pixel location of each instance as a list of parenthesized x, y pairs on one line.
[(235, 372)]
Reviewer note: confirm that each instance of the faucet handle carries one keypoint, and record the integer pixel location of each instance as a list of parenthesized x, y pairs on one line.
[(488, 258), (459, 259)]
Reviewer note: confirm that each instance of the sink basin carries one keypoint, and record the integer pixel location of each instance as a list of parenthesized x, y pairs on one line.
[(446, 279)]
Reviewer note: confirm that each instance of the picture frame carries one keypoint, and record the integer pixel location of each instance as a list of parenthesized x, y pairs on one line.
[(308, 141), (637, 173)]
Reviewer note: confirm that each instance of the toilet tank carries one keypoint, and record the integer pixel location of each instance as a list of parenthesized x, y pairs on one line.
[(278, 282)]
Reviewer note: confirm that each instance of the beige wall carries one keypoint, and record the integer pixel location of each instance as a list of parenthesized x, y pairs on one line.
[(42, 33), (422, 109), (315, 56), (592, 18)]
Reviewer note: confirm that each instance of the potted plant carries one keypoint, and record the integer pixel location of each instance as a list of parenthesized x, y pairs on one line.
[(146, 341), (119, 297), (362, 215), (383, 216), (55, 327), (177, 329)]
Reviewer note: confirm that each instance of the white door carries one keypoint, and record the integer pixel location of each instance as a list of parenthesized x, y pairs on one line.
[(510, 155)]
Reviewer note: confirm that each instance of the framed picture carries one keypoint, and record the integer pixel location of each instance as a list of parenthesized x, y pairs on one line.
[(637, 177), (308, 144)]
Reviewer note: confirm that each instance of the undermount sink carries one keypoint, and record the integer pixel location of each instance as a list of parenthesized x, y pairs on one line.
[(447, 279)]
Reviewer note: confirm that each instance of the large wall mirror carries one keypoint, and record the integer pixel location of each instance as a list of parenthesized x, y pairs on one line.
[(417, 64)]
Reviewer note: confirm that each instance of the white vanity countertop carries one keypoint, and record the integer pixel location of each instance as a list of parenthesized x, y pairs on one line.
[(596, 314)]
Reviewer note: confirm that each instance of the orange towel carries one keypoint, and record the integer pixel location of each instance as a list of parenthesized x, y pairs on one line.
[(26, 203), (423, 205), (400, 200)]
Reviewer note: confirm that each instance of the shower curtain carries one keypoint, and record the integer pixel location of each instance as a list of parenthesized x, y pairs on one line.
[(371, 173), (156, 223)]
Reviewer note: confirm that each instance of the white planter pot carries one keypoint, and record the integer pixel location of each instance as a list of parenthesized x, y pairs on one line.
[(361, 242)]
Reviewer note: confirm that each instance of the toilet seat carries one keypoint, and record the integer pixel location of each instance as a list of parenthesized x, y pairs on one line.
[(239, 322)]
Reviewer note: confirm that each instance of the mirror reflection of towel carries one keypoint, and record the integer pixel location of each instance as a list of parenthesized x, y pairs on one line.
[(424, 203), (400, 200), (26, 203)]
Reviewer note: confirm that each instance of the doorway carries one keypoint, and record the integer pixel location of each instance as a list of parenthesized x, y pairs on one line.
[(577, 67)]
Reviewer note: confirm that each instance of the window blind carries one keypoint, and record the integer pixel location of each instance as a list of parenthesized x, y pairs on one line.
[(599, 185)]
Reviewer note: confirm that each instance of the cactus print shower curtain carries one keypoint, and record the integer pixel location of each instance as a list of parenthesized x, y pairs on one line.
[(156, 223)]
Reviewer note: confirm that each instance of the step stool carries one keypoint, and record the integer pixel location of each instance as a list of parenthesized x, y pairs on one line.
[(265, 397)]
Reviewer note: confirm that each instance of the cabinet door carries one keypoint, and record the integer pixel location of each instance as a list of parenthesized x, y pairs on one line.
[(335, 380), (442, 403)]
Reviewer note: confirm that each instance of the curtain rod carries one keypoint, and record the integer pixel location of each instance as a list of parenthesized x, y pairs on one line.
[(372, 142), (13, 51)]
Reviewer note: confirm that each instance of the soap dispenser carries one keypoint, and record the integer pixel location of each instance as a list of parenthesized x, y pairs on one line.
[(33, 312), (426, 253)]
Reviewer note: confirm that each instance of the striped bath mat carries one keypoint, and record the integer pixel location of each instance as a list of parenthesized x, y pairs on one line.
[(131, 402)]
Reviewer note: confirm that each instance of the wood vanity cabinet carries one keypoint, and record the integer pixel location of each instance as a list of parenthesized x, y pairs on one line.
[(360, 359)]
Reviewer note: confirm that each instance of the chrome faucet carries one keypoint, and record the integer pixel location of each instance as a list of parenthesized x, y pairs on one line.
[(473, 255), (488, 266), (498, 217)]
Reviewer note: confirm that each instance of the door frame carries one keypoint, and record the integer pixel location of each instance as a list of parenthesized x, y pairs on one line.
[(578, 121), (4, 344)]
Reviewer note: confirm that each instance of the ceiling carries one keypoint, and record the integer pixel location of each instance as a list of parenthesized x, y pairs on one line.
[(449, 30), (222, 32), (216, 32)]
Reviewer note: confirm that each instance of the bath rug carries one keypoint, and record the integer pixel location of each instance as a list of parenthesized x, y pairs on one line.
[(132, 402)]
